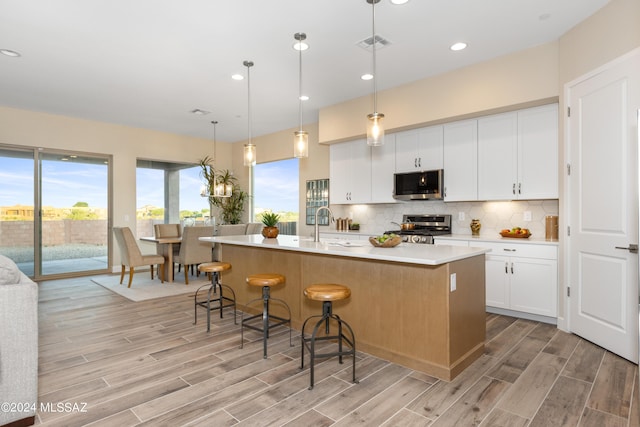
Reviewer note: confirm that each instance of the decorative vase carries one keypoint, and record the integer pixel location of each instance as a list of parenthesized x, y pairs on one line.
[(270, 232), (475, 227)]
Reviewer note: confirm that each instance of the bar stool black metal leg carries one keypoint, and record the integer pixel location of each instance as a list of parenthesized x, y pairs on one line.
[(265, 319)]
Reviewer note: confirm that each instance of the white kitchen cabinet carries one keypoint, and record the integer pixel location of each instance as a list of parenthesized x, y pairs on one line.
[(518, 155), (522, 277), (419, 149), (350, 172), (498, 157), (382, 170), (460, 161), (538, 152)]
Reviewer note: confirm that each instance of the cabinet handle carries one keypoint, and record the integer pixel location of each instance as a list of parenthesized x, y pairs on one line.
[(506, 268), (511, 268), (513, 189), (519, 185), (420, 161), (415, 162), (508, 250), (445, 191)]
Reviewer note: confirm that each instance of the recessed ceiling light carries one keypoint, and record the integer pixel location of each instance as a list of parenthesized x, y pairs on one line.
[(237, 77), (304, 98), (399, 1), (11, 53), (458, 46), (366, 76)]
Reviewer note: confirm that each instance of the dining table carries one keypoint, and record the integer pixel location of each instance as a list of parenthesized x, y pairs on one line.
[(166, 246)]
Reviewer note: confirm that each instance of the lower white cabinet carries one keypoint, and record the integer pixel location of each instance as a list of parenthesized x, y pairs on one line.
[(519, 277), (522, 277)]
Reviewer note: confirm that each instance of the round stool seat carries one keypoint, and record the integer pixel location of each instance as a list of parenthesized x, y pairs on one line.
[(327, 292), (265, 279), (213, 267)]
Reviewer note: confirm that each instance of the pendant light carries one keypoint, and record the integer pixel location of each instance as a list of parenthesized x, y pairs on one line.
[(249, 147), (214, 187), (301, 137), (375, 127), (220, 189)]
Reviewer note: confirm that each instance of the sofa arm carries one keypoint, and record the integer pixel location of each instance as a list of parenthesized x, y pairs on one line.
[(19, 348)]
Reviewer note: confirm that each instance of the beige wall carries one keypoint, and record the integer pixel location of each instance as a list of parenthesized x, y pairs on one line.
[(521, 79), (125, 144)]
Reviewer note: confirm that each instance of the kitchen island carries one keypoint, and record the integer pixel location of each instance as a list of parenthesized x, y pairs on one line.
[(422, 306)]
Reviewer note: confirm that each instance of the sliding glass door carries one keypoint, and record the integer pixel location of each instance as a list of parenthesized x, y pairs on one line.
[(17, 192), (54, 218)]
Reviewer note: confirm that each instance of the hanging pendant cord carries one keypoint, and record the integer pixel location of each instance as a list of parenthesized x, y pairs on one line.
[(375, 75), (300, 77), (249, 64)]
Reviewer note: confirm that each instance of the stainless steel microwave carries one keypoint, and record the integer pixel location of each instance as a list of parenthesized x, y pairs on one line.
[(426, 185)]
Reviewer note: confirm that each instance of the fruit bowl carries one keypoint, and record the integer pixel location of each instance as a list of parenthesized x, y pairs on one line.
[(389, 243), (522, 233)]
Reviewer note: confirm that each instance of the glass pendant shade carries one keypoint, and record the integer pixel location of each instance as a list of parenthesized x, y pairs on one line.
[(375, 129), (249, 155), (301, 144)]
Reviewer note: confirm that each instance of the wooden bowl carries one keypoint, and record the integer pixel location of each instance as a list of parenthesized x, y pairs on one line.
[(514, 235), (390, 243)]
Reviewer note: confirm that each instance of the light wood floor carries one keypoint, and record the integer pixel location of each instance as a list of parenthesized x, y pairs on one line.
[(147, 364)]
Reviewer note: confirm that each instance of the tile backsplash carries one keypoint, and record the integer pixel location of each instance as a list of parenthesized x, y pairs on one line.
[(494, 216)]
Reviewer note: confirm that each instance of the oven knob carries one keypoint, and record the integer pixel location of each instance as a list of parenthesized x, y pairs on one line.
[(415, 239), (405, 238), (423, 239)]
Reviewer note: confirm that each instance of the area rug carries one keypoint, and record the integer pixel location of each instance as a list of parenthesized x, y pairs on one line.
[(143, 288)]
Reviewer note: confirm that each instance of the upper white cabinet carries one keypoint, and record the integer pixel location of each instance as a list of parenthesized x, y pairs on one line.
[(349, 171), (419, 149), (461, 161), (360, 173), (382, 170), (538, 152), (518, 155)]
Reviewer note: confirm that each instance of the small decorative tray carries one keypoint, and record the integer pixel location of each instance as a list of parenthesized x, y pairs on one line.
[(515, 235), (389, 243)]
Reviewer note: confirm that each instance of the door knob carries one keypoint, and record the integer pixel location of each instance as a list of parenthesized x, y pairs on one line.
[(633, 248)]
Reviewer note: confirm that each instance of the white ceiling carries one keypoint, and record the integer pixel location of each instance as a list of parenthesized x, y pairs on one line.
[(148, 63)]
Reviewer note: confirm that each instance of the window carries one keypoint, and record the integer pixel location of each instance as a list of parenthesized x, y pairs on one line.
[(276, 190), (168, 193)]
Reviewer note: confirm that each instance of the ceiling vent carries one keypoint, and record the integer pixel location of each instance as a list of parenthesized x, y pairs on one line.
[(367, 43)]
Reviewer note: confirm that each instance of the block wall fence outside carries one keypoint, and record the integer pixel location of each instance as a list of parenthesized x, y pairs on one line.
[(64, 232)]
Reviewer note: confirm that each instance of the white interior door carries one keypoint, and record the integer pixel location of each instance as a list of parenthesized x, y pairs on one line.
[(603, 207)]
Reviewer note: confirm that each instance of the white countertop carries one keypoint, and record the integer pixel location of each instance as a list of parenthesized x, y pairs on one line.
[(404, 252), (498, 238)]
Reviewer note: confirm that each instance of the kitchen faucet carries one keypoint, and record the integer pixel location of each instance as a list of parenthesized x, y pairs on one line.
[(316, 235)]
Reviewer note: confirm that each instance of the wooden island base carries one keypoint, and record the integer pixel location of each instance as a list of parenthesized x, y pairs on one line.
[(401, 312)]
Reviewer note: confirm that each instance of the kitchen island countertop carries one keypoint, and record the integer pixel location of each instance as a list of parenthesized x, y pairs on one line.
[(404, 252)]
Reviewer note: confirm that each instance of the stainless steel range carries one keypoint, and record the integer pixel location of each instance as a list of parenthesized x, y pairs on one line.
[(425, 227)]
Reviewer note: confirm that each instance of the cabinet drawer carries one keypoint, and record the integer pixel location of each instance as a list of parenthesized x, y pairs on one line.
[(520, 250)]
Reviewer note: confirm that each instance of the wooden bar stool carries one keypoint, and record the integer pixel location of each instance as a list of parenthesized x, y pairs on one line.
[(266, 281), (214, 268), (327, 293)]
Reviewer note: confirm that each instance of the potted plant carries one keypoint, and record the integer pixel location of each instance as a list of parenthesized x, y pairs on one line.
[(270, 220), (231, 207)]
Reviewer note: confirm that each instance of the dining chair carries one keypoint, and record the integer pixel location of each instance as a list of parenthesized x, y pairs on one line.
[(192, 250), (131, 256), (167, 230)]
